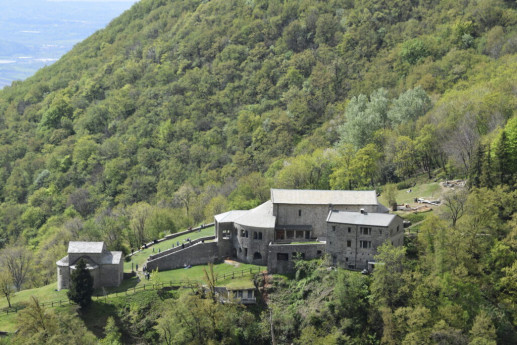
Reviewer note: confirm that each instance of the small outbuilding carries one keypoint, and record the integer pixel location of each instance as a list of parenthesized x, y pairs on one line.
[(106, 267)]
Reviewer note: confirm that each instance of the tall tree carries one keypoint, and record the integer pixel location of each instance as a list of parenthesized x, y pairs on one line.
[(17, 260), (185, 196), (81, 285), (454, 203), (6, 286), (503, 159), (388, 282)]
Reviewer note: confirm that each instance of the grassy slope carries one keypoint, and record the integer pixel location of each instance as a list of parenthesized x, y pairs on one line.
[(426, 190), (140, 257)]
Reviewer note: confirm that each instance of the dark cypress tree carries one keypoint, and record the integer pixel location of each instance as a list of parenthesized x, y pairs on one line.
[(487, 179), (81, 285), (503, 159), (476, 167)]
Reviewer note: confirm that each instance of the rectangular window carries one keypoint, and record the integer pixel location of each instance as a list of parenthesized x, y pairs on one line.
[(226, 234), (349, 229), (260, 235), (242, 233), (299, 213), (282, 256), (349, 244), (397, 228), (246, 252), (299, 234), (279, 235), (307, 235), (380, 232), (366, 231), (246, 233), (255, 235), (333, 228), (365, 244), (290, 234)]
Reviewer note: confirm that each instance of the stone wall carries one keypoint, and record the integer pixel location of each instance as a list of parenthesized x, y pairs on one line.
[(177, 234), (63, 277), (314, 215), (111, 275), (280, 256), (197, 254), (251, 244), (178, 248), (344, 242)]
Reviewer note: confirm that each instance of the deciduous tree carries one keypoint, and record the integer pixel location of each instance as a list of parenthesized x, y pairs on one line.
[(17, 260)]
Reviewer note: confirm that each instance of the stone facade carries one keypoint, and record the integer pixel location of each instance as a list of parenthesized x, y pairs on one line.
[(353, 237), (106, 267), (293, 221), (282, 257)]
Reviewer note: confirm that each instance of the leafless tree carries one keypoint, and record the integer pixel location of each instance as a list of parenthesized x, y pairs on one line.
[(139, 214), (463, 141), (185, 195), (17, 260), (454, 204)]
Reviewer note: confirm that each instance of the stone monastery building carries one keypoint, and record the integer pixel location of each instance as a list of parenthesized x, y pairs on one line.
[(106, 267), (347, 225)]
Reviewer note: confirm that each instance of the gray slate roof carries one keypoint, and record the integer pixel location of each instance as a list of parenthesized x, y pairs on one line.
[(230, 216), (111, 258), (258, 217), (323, 197), (63, 262), (85, 247), (357, 218)]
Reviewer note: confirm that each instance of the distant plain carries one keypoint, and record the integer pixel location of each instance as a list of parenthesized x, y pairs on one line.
[(35, 33)]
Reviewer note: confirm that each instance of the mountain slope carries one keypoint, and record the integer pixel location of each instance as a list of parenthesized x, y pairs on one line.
[(203, 105)]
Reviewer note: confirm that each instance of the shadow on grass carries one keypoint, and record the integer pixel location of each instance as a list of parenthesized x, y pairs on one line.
[(124, 286), (95, 316)]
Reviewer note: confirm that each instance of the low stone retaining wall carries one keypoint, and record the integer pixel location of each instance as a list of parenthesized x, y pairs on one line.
[(171, 236), (195, 254), (181, 246)]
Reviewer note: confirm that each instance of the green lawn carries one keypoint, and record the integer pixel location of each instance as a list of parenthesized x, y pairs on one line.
[(43, 294), (196, 274), (427, 191), (140, 257)]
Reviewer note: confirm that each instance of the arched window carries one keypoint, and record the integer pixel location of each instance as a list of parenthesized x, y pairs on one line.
[(257, 256)]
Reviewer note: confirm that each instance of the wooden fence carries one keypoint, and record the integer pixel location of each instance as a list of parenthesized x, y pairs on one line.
[(144, 287)]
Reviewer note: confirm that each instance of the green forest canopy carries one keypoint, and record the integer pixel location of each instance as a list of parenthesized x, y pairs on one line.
[(179, 110)]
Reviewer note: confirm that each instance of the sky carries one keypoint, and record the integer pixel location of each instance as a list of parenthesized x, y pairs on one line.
[(35, 33)]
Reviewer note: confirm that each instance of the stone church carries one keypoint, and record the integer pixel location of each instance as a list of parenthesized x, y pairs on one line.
[(106, 267)]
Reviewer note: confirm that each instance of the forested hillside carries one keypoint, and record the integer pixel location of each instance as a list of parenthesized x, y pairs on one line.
[(182, 109)]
